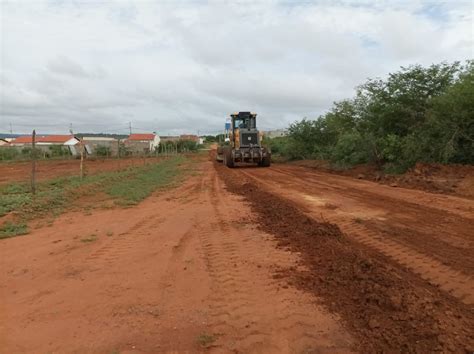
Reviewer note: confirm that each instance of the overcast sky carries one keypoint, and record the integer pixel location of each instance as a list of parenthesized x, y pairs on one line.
[(183, 66)]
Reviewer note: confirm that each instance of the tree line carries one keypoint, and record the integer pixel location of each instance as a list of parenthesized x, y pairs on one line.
[(417, 114)]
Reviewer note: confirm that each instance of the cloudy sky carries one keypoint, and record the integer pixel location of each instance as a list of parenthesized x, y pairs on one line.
[(183, 66)]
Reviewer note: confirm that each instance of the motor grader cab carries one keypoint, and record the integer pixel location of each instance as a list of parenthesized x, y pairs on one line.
[(243, 142)]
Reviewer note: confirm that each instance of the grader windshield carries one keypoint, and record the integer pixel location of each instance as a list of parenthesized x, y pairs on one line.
[(244, 120)]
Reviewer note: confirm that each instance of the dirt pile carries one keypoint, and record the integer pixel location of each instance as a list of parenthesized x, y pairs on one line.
[(384, 305)]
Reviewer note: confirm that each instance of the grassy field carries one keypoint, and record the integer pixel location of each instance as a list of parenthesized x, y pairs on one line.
[(126, 187)]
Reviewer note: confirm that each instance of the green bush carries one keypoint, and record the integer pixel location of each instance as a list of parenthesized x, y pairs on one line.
[(8, 153), (102, 151), (350, 149), (416, 114), (58, 151)]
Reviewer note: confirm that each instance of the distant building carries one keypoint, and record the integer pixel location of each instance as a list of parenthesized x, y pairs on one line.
[(45, 143), (275, 133), (105, 146), (190, 137), (4, 142), (142, 143), (166, 138), (42, 140)]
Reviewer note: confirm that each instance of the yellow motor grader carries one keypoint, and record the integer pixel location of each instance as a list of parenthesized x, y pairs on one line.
[(243, 142)]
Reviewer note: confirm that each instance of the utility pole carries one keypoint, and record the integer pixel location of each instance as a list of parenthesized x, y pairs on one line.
[(11, 128), (130, 127)]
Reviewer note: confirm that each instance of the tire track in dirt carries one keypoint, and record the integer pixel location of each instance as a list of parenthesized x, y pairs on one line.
[(231, 298), (463, 208), (131, 238), (121, 244), (456, 283), (235, 311), (386, 306)]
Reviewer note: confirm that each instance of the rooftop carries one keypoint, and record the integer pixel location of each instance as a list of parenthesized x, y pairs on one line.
[(141, 137), (28, 139)]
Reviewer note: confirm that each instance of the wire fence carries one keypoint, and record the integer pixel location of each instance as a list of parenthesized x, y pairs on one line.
[(80, 155)]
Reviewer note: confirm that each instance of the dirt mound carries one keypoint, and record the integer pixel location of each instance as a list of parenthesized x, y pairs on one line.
[(455, 179), (435, 178), (384, 305)]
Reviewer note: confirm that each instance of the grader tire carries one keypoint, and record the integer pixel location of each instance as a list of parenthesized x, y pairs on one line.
[(228, 161), (266, 161)]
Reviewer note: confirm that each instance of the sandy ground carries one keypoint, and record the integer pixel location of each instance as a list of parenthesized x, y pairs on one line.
[(179, 267), (195, 269)]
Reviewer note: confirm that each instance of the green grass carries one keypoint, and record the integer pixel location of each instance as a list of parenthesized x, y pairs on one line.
[(138, 186), (126, 187), (10, 229)]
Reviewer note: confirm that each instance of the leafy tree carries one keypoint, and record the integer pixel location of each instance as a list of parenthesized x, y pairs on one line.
[(416, 114)]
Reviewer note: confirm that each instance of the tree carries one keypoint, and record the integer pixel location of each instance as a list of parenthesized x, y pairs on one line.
[(416, 114)]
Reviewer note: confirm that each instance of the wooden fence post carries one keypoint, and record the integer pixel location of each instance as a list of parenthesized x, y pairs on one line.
[(82, 159), (118, 153), (33, 163)]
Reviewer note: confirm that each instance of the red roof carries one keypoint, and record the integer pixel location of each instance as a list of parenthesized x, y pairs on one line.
[(28, 139), (141, 137)]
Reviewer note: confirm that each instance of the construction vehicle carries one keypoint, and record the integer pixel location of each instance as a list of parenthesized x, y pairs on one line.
[(243, 142)]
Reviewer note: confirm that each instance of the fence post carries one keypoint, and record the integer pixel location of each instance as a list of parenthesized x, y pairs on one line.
[(82, 159), (33, 163)]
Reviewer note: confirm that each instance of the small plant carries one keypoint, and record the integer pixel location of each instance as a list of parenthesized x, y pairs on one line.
[(205, 340), (91, 238), (10, 229), (358, 220), (110, 233)]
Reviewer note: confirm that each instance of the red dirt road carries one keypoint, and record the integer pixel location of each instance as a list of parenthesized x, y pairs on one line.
[(430, 234), (180, 272), (247, 260)]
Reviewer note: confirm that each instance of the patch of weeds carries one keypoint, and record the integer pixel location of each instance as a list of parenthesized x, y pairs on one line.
[(110, 233), (128, 187), (12, 199), (138, 186), (205, 340), (358, 220), (91, 238), (10, 229)]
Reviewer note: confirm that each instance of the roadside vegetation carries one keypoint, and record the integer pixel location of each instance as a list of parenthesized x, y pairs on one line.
[(126, 187), (418, 114)]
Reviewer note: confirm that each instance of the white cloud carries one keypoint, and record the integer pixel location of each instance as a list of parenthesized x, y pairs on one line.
[(183, 66)]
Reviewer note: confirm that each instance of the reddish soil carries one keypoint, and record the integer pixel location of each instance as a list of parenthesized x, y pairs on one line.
[(185, 271), (283, 259), (435, 178), (385, 304), (49, 169)]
